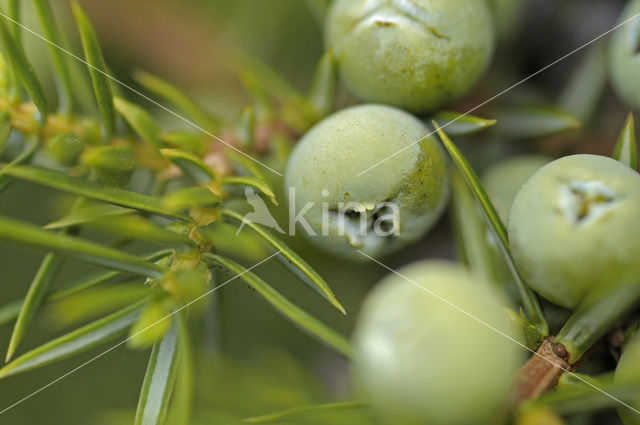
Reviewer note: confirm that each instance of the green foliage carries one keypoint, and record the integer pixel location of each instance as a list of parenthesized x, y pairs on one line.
[(90, 189), (597, 313), (254, 182), (135, 179), (306, 412), (285, 307), (29, 150), (159, 380), (626, 149), (182, 400), (584, 398), (323, 86), (77, 290), (141, 122), (75, 342), (190, 165), (196, 143), (58, 57), (246, 128), (470, 230), (461, 125), (91, 303), (534, 121), (291, 260), (154, 322), (33, 299), (581, 95), (189, 197), (166, 90), (83, 250), (22, 67), (87, 211), (13, 11), (97, 69), (5, 129), (527, 296), (99, 171)]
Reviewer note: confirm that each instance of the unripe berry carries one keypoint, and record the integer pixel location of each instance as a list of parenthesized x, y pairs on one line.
[(114, 165), (503, 180), (414, 54), (625, 56), (573, 225), (390, 205), (421, 361), (65, 148)]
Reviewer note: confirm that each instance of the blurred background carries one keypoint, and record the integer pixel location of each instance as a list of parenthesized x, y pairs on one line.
[(189, 42)]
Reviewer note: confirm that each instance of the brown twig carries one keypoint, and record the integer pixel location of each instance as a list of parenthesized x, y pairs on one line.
[(542, 371)]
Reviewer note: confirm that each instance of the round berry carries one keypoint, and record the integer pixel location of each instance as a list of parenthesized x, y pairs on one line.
[(573, 225), (413, 54), (422, 361), (348, 199), (503, 180)]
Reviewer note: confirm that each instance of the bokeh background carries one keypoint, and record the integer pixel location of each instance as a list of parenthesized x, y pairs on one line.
[(274, 365)]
